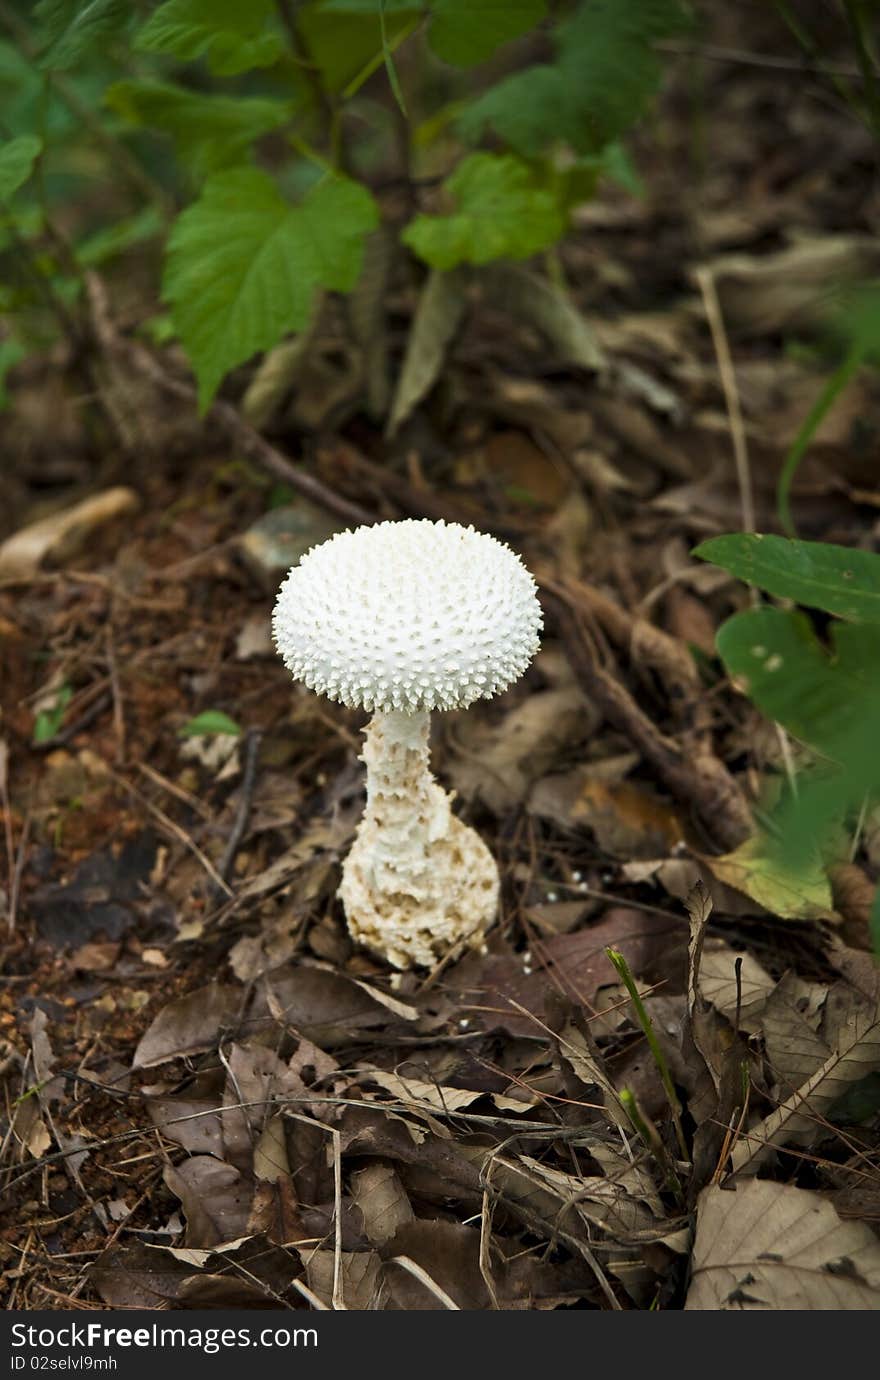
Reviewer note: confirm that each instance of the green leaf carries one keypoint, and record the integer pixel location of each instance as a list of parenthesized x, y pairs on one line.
[(501, 213), (828, 699), (11, 351), (211, 721), (819, 696), (761, 869), (49, 721), (74, 28), (607, 72), (17, 159), (106, 243), (234, 35), (837, 579), (342, 37), (209, 132), (464, 32), (244, 265)]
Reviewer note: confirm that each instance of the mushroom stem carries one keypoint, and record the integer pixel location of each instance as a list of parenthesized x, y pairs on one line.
[(417, 880)]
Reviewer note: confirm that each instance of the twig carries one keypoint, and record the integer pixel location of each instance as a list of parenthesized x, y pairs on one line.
[(712, 307), (171, 827), (699, 779), (423, 1277), (15, 888), (239, 824), (717, 53)]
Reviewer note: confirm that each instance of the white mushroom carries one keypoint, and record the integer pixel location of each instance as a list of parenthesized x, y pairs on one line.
[(399, 619)]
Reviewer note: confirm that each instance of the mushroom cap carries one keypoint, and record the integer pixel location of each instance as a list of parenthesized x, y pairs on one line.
[(408, 616)]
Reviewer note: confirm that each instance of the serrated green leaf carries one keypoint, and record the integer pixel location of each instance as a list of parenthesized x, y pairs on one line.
[(209, 722), (209, 132), (837, 579), (74, 28), (464, 32), (17, 159), (501, 214), (243, 265), (605, 75), (232, 35)]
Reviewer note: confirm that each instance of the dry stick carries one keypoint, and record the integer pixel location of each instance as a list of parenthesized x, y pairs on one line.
[(239, 824), (424, 1278), (7, 823), (726, 370), (171, 827), (712, 308), (699, 779), (18, 871)]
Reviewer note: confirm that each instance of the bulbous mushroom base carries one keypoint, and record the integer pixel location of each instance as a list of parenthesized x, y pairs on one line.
[(417, 881)]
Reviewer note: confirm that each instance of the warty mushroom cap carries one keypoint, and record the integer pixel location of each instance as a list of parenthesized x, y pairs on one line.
[(412, 615)]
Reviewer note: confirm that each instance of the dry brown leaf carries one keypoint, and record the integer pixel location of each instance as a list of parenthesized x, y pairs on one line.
[(359, 1277), (771, 1247), (507, 992), (448, 1253), (718, 984), (798, 1121), (550, 310), (216, 1200), (419, 1094), (189, 1025), (438, 316), (270, 1152), (793, 1045), (324, 1006), (497, 763), (382, 1201)]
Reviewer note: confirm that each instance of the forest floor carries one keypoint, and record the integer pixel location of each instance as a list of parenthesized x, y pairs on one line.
[(212, 1098)]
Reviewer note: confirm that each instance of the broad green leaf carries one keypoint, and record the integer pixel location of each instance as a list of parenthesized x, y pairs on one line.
[(211, 721), (210, 132), (605, 75), (17, 159), (244, 265), (763, 872), (501, 214), (529, 110), (464, 32), (819, 696), (828, 699), (233, 35), (75, 28), (343, 38), (837, 579)]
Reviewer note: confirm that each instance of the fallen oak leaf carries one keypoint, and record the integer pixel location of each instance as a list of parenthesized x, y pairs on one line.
[(772, 1247)]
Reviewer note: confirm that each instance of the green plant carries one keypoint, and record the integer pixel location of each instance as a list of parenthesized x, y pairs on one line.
[(281, 145), (822, 686)]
